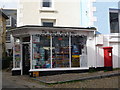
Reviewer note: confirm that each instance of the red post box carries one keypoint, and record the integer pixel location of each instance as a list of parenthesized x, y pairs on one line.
[(108, 58)]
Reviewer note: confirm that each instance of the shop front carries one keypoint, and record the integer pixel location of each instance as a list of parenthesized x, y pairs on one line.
[(38, 49)]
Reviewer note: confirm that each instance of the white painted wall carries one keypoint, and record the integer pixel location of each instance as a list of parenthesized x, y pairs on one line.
[(114, 41), (91, 51), (64, 12)]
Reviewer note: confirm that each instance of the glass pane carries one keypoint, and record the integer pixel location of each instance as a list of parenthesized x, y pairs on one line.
[(26, 39), (46, 3), (60, 51), (114, 25), (8, 21), (78, 50), (17, 55), (41, 52), (48, 24)]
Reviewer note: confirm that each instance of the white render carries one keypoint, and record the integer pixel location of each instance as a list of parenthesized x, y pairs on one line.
[(112, 40), (65, 13)]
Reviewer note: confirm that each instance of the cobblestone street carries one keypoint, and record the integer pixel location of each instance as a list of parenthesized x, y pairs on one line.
[(27, 82), (111, 82)]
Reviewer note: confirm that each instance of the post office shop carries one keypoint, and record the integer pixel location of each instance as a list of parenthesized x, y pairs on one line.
[(43, 49)]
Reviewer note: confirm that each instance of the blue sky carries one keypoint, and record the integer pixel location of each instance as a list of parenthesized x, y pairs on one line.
[(8, 3)]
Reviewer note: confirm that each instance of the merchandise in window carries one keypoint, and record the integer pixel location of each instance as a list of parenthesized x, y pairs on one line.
[(78, 44), (41, 52), (17, 55), (60, 51)]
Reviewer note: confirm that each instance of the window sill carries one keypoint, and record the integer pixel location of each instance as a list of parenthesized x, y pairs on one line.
[(8, 41), (47, 10)]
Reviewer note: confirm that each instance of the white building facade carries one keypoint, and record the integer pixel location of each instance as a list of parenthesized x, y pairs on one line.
[(65, 13)]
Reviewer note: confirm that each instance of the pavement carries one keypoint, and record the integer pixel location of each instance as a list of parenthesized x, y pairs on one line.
[(63, 78), (24, 81)]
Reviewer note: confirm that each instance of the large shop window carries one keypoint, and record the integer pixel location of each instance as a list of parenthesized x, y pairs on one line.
[(41, 52), (60, 52), (63, 51), (17, 53)]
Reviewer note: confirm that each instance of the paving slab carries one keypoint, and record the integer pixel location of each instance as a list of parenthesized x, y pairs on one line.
[(62, 78)]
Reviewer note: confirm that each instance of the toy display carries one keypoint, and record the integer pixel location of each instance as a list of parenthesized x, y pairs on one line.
[(60, 52), (17, 55), (41, 52)]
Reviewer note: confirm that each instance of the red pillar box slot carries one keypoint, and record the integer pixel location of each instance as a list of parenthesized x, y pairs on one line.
[(108, 58)]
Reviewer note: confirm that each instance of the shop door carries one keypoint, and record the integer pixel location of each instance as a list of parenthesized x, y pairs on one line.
[(26, 59)]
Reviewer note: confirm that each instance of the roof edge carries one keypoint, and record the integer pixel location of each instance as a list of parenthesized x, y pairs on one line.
[(93, 28)]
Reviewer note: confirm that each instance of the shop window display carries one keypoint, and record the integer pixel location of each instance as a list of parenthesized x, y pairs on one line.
[(17, 53), (41, 52), (78, 43), (60, 51)]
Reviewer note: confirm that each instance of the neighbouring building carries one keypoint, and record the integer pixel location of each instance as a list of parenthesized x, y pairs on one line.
[(10, 24), (108, 24), (3, 18)]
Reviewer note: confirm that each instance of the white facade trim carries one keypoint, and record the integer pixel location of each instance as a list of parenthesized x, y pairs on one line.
[(16, 69), (59, 69)]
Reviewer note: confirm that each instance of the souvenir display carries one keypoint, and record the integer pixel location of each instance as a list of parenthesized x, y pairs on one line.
[(78, 43), (41, 52), (60, 51), (17, 55)]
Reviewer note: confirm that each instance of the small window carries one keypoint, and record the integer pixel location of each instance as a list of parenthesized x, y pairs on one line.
[(8, 39), (47, 24), (47, 3), (114, 22), (8, 21), (26, 39)]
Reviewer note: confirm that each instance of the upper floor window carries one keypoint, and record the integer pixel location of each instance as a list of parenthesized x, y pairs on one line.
[(47, 24), (47, 3), (8, 39), (8, 21), (114, 21)]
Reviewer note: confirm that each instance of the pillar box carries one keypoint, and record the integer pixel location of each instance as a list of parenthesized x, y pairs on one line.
[(108, 58)]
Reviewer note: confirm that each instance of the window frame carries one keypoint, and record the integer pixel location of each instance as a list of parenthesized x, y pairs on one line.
[(51, 24), (10, 21), (46, 3), (8, 36), (118, 12), (48, 21), (48, 8)]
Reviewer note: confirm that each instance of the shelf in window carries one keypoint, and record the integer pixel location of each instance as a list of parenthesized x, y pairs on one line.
[(62, 53), (36, 42)]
